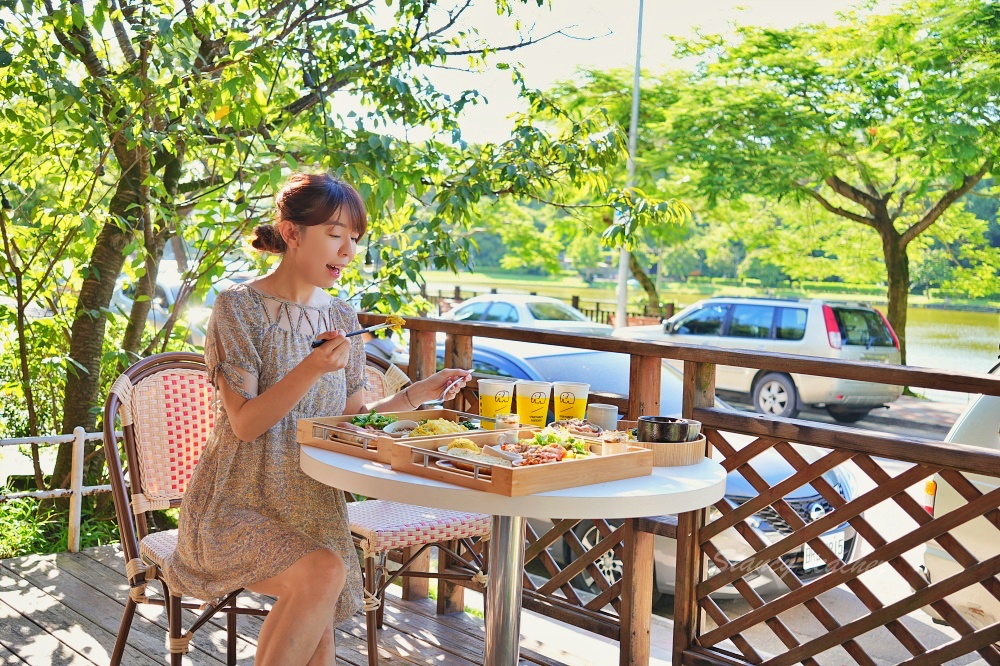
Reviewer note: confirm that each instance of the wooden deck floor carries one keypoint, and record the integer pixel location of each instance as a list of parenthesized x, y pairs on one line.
[(65, 609)]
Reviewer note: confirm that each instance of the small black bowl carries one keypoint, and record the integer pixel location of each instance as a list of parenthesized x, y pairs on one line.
[(667, 429)]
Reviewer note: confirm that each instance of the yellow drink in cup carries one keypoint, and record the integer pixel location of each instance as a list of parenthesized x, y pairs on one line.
[(533, 401), (495, 397), (571, 400)]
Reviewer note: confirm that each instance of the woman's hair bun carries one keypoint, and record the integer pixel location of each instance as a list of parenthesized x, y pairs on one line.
[(268, 239)]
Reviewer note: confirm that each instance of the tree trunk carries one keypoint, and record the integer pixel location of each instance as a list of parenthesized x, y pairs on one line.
[(897, 265), (140, 309), (81, 401), (647, 284)]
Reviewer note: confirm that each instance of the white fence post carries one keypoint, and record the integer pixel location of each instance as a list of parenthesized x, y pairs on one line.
[(76, 487)]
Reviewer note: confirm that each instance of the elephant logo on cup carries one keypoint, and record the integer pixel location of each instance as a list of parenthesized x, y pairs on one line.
[(503, 397), (567, 397), (539, 398)]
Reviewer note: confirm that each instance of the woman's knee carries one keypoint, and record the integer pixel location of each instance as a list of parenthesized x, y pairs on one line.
[(327, 568)]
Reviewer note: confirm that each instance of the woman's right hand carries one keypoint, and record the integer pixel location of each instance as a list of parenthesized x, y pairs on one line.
[(332, 355)]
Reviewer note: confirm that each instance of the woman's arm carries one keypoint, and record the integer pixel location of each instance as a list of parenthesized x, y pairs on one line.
[(252, 418), (412, 396)]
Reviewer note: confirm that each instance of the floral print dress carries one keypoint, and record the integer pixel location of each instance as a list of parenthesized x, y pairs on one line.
[(250, 511)]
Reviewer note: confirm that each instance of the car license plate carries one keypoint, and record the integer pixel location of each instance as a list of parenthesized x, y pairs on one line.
[(834, 542)]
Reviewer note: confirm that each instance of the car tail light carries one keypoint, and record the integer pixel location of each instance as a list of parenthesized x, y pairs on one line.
[(895, 340), (930, 493), (832, 327)]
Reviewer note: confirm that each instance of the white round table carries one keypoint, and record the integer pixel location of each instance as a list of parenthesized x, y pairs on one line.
[(666, 490)]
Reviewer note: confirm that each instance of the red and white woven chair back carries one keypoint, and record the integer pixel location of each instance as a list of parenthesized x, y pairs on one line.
[(374, 385), (171, 414)]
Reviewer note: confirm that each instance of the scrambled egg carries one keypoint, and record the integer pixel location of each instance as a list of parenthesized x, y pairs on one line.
[(463, 443), (395, 322), (437, 427)]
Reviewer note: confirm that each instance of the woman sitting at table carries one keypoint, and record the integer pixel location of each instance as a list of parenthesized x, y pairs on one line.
[(251, 518)]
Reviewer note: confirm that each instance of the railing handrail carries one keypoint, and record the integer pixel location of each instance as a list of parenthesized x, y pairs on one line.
[(76, 491), (945, 380), (962, 457)]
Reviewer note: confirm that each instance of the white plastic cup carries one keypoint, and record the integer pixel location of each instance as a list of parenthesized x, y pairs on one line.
[(533, 401), (495, 397), (602, 415), (570, 400)]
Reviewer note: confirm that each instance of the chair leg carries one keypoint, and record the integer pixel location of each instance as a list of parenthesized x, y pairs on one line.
[(123, 629), (371, 621), (231, 636), (381, 574), (174, 627)]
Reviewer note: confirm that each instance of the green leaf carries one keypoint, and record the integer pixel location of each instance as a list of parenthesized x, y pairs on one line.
[(5, 58)]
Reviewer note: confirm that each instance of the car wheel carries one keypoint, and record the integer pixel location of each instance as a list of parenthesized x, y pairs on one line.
[(846, 415), (774, 394), (608, 563)]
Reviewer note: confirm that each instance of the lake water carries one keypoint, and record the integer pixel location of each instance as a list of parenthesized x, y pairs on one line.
[(952, 340)]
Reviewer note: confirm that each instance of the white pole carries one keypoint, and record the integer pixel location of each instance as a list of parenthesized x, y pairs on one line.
[(76, 486), (633, 126)]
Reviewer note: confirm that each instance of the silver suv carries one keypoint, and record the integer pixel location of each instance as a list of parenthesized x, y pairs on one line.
[(844, 331)]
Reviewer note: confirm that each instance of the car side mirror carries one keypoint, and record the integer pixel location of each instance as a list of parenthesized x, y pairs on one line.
[(668, 327)]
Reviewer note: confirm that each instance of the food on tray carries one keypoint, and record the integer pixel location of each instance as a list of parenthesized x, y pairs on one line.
[(470, 425), (373, 420), (578, 427), (549, 445), (479, 457), (539, 455), (464, 444), (400, 428), (575, 447), (437, 427)]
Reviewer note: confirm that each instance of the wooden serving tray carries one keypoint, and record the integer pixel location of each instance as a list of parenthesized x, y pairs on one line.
[(424, 459), (326, 433), (670, 454)]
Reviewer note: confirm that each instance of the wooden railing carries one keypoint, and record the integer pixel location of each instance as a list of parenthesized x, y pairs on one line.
[(710, 559)]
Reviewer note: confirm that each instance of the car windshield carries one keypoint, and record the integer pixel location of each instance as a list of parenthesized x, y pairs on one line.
[(606, 372), (862, 327), (553, 312)]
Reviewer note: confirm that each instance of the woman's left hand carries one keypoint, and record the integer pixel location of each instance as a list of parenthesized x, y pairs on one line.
[(432, 387)]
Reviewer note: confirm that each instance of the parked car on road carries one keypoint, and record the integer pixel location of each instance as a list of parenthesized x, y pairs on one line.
[(608, 372), (540, 312), (979, 425), (165, 293), (843, 331)]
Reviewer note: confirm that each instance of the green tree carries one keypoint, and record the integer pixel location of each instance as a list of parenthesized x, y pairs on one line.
[(884, 120), (126, 126), (611, 92)]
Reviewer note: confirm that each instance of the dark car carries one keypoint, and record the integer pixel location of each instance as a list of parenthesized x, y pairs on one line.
[(608, 372)]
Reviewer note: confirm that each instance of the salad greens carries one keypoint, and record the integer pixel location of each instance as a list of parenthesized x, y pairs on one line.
[(374, 420), (567, 441)]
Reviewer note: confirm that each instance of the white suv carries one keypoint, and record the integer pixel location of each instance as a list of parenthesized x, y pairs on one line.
[(844, 331)]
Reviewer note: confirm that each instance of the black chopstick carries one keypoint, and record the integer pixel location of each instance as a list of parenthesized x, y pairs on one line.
[(379, 327)]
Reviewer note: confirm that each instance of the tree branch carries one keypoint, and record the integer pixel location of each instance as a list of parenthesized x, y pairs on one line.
[(510, 47), (902, 202), (949, 197), (121, 35), (848, 191), (838, 211)]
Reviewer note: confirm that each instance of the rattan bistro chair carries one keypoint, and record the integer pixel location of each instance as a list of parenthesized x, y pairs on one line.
[(380, 527), (164, 405)]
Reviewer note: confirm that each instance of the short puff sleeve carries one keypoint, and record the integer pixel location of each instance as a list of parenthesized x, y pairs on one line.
[(347, 320), (231, 344)]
